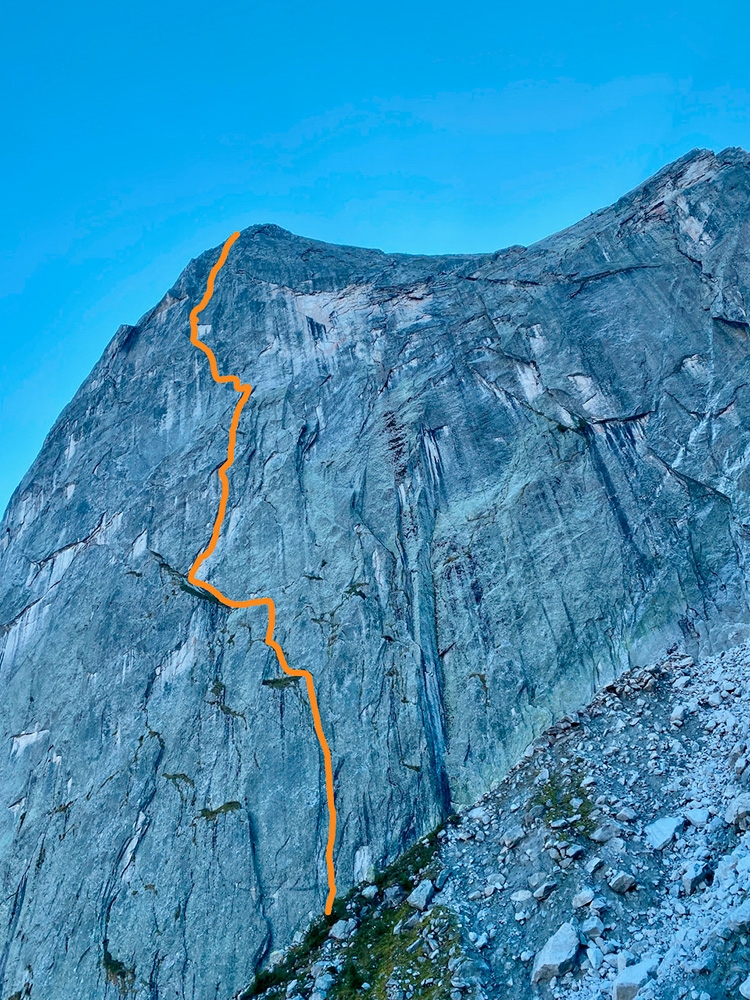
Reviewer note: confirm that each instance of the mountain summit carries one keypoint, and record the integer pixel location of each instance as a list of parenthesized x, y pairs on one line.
[(477, 487)]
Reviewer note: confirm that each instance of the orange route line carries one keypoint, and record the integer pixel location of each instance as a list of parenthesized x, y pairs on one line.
[(266, 602)]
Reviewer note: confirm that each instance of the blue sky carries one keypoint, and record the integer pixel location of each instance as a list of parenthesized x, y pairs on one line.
[(138, 135)]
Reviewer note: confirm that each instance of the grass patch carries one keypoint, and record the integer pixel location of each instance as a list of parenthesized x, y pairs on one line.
[(377, 954), (298, 956), (374, 951), (414, 860), (557, 795)]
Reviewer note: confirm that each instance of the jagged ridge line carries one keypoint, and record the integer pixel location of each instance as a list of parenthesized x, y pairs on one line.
[(245, 390)]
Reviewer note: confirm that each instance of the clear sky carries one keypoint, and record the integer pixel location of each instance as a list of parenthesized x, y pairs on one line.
[(137, 135)]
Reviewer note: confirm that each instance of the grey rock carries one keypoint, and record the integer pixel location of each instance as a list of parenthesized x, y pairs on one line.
[(630, 979), (738, 809), (605, 832), (421, 895), (545, 890), (745, 988), (621, 882), (582, 898), (557, 956), (661, 832), (442, 879), (514, 836), (592, 927), (414, 423), (737, 920), (627, 815), (697, 817), (343, 929), (595, 956), (324, 983), (696, 874), (520, 897)]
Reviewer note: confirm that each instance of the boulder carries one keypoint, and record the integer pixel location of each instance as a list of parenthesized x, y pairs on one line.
[(697, 817), (630, 979), (514, 836), (592, 927), (421, 895), (738, 810), (627, 815), (582, 898), (622, 882), (697, 873), (342, 929), (661, 832), (605, 832), (558, 955)]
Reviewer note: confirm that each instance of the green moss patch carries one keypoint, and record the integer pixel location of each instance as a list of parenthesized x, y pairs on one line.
[(556, 796), (377, 955)]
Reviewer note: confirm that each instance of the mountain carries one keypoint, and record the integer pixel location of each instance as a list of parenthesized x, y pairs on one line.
[(477, 488)]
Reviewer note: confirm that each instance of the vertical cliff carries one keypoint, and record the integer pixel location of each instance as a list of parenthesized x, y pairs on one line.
[(476, 487)]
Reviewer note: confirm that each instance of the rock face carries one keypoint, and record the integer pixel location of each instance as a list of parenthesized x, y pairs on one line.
[(476, 487)]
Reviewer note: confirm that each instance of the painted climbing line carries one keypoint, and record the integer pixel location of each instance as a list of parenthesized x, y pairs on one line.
[(266, 602)]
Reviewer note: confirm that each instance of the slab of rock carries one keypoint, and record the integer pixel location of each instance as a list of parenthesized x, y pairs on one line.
[(622, 882), (514, 836), (745, 989), (627, 815), (605, 832), (420, 897), (661, 832), (738, 810), (697, 817), (558, 955), (342, 929), (630, 979), (696, 874), (582, 898)]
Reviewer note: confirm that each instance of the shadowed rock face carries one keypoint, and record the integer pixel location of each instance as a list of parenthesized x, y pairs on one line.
[(477, 487)]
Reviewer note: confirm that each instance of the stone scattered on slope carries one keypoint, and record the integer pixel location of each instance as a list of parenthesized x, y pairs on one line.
[(662, 831), (630, 979), (738, 810), (420, 897), (558, 955)]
